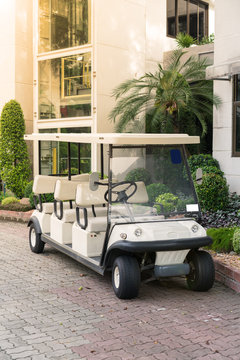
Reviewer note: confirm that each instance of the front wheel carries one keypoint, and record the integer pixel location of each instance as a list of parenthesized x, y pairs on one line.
[(35, 242), (202, 272), (126, 277)]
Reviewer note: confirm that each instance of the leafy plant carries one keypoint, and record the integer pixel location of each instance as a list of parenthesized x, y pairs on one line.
[(236, 241), (167, 203), (28, 189), (163, 97), (9, 200), (14, 161), (213, 193), (209, 170), (202, 161), (16, 206), (154, 190), (139, 174), (222, 239), (45, 198), (184, 40), (207, 39)]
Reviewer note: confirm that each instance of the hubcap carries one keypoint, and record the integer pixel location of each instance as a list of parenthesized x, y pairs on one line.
[(33, 238), (116, 277)]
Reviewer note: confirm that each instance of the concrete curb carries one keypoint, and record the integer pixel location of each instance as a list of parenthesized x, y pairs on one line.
[(227, 275), (223, 273)]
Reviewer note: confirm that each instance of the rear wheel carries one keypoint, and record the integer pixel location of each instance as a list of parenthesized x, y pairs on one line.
[(126, 277), (202, 272), (35, 242)]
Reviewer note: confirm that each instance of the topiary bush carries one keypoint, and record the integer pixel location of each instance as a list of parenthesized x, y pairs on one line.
[(14, 161), (9, 200), (222, 239), (139, 174), (202, 161), (213, 193), (168, 203), (209, 170), (236, 241), (154, 190)]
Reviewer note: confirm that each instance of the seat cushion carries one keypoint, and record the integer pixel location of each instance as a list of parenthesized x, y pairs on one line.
[(97, 224), (69, 215)]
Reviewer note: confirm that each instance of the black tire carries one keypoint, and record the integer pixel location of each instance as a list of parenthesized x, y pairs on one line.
[(202, 272), (35, 242), (126, 277)]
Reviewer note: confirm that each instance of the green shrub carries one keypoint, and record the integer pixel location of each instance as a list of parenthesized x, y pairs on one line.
[(46, 198), (139, 174), (14, 162), (222, 239), (9, 200), (28, 189), (154, 190), (15, 207), (207, 40), (184, 40), (213, 193), (208, 170), (168, 202), (183, 202), (236, 241), (202, 160)]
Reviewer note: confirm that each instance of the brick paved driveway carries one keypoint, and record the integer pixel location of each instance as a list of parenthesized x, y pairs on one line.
[(45, 315)]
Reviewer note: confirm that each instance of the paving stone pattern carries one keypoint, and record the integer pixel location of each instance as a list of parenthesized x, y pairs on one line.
[(54, 308)]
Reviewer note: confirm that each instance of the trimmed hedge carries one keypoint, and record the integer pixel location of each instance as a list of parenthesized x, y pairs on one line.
[(14, 162)]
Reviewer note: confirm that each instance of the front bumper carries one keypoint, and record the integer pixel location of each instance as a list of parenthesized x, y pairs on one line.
[(161, 245)]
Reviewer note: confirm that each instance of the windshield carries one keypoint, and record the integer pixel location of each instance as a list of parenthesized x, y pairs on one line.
[(150, 183)]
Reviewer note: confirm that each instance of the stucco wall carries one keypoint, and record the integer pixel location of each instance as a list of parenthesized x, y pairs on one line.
[(129, 39), (227, 36)]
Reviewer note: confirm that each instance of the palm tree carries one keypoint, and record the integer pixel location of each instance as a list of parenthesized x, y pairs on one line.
[(166, 97)]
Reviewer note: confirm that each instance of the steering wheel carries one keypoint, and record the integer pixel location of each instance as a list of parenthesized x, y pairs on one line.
[(121, 194)]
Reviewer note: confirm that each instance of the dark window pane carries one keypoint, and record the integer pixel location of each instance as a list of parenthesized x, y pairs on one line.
[(237, 144), (193, 12), (237, 91), (202, 20), (171, 19), (182, 16)]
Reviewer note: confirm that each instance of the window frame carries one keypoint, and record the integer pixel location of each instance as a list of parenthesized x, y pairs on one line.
[(188, 18), (235, 103)]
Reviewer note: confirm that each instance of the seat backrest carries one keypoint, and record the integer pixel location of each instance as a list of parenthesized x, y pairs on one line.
[(44, 184), (86, 197), (80, 177), (140, 196), (65, 189)]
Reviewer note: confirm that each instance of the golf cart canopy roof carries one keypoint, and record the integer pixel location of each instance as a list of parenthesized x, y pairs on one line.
[(117, 138)]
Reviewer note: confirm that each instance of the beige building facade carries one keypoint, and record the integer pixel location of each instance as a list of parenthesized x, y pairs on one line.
[(63, 58), (226, 75)]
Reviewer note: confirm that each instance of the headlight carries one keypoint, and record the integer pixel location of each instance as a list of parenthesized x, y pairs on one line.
[(138, 232), (123, 236), (194, 228)]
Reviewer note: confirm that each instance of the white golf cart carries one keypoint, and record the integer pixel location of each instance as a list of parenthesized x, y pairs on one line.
[(138, 219)]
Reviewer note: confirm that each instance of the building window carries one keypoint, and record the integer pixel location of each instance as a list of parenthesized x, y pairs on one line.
[(53, 154), (187, 16), (236, 115), (65, 87), (63, 24)]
